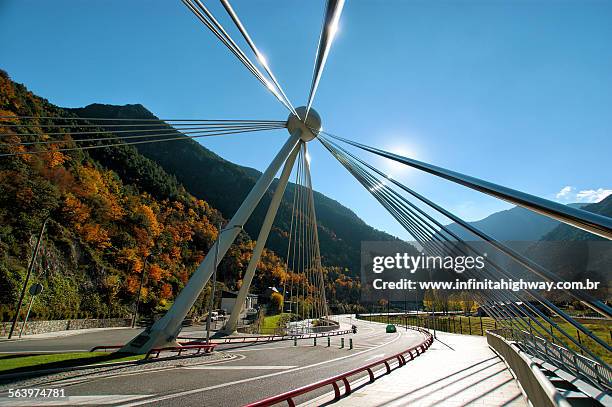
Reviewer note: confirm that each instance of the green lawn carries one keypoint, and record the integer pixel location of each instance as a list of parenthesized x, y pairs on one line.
[(272, 324), (20, 363)]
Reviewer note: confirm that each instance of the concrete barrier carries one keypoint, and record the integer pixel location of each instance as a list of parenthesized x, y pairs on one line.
[(540, 391)]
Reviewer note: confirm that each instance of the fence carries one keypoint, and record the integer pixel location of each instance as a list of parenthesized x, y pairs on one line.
[(263, 338), (452, 323), (198, 348)]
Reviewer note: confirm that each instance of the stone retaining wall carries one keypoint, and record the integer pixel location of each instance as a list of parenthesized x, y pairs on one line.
[(39, 327), (331, 326)]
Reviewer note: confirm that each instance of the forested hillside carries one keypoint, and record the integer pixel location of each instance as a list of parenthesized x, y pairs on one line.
[(208, 176), (516, 224), (112, 214)]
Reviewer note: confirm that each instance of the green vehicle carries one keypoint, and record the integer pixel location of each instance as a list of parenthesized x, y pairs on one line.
[(391, 329)]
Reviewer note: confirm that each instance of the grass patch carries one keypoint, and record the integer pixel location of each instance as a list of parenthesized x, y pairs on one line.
[(271, 322), (275, 323), (28, 363)]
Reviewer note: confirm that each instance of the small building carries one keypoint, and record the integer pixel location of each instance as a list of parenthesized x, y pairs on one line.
[(228, 299)]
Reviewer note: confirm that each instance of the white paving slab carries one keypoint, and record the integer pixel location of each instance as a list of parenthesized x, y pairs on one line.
[(470, 374)]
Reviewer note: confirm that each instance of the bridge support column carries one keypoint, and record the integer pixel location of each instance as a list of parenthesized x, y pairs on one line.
[(166, 329), (232, 322)]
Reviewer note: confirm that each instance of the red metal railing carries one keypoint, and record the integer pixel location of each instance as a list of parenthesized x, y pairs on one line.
[(237, 339), (333, 381), (262, 338), (207, 348)]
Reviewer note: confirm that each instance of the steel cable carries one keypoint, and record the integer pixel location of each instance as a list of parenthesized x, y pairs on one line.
[(333, 10), (424, 233)]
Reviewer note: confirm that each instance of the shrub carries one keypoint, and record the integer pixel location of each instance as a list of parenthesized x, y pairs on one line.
[(276, 303)]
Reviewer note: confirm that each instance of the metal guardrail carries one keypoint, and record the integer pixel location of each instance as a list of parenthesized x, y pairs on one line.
[(578, 365), (266, 338), (343, 377), (207, 348), (193, 343)]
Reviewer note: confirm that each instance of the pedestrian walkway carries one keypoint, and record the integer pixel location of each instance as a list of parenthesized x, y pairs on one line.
[(469, 374)]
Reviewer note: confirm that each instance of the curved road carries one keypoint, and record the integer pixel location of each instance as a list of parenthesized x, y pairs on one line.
[(255, 372)]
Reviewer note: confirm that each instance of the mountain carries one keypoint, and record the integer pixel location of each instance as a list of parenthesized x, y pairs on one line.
[(569, 233), (115, 216), (576, 255), (208, 176), (516, 224), (111, 216)]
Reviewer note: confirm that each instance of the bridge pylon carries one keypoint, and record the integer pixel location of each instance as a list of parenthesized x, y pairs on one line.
[(232, 322), (165, 331)]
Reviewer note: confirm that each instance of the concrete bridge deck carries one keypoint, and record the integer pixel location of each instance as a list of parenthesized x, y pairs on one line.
[(469, 374)]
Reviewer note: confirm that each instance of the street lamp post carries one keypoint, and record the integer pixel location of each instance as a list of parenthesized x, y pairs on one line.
[(388, 307), (406, 309), (35, 289), (27, 279), (211, 300)]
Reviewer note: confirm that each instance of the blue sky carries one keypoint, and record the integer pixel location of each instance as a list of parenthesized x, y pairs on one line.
[(516, 92)]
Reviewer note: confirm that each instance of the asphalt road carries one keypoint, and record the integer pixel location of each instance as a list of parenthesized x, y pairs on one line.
[(75, 341), (256, 371)]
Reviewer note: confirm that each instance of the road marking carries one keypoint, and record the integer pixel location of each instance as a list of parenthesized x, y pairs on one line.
[(74, 381), (380, 355), (250, 379), (224, 367), (238, 350), (72, 400)]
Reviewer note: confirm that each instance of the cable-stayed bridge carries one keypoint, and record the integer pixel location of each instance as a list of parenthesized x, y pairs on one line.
[(522, 317)]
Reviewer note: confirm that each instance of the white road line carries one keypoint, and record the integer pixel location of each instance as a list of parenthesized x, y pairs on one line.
[(244, 367), (75, 381), (250, 379), (238, 350), (380, 355), (71, 400)]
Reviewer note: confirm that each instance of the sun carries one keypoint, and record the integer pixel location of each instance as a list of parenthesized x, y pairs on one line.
[(395, 169)]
